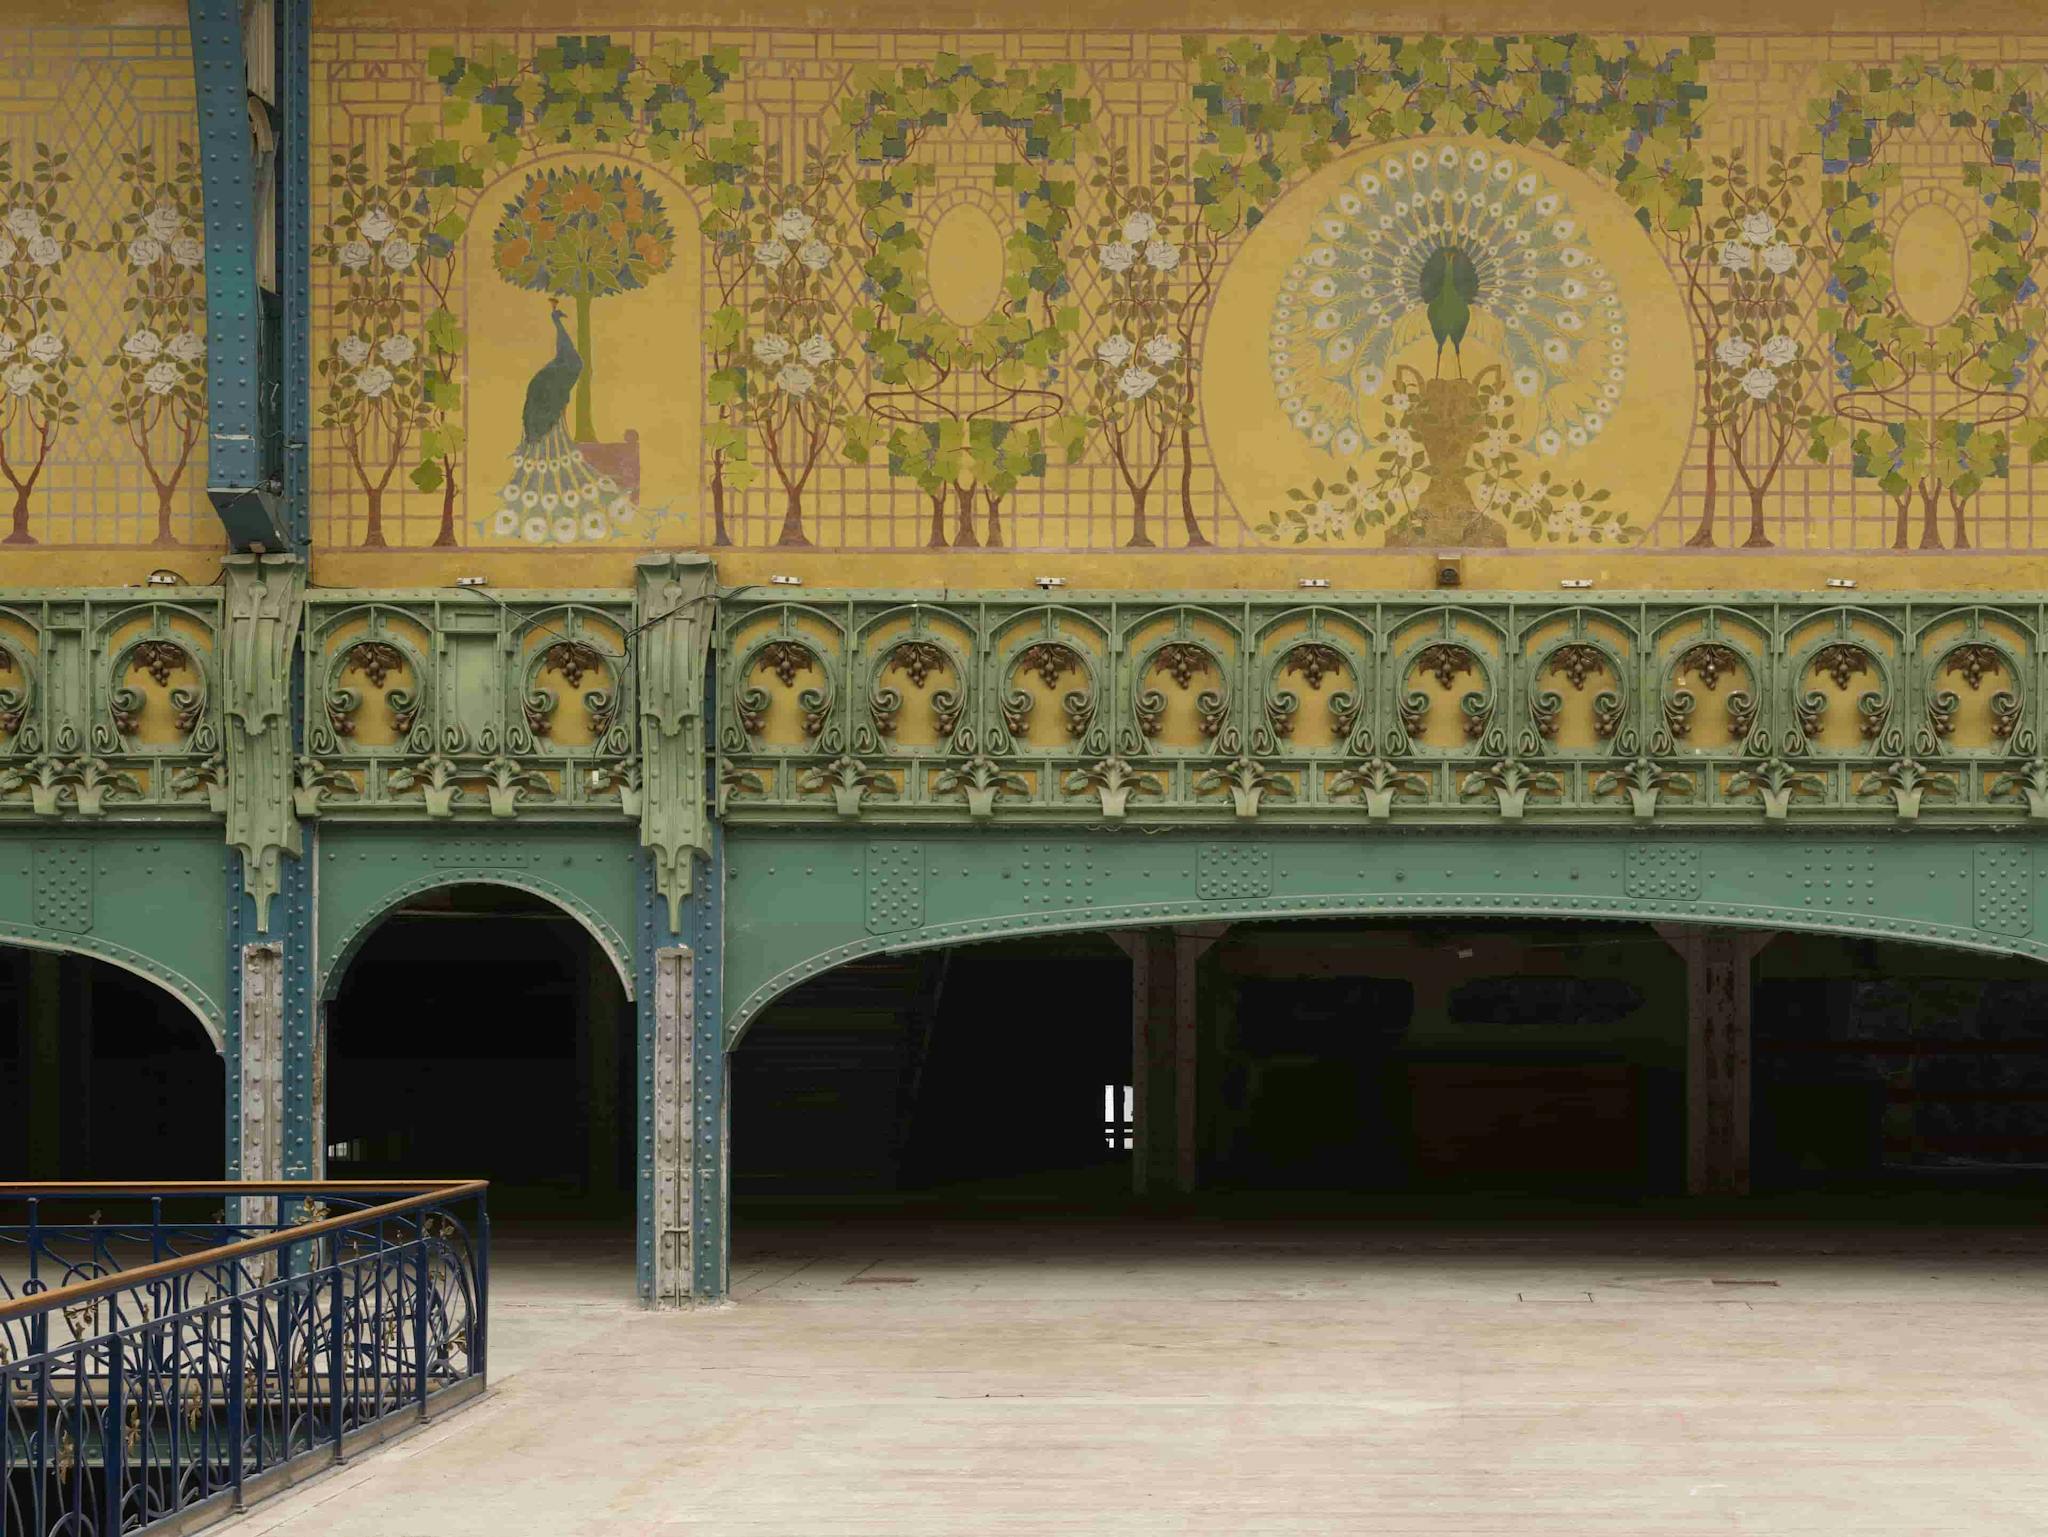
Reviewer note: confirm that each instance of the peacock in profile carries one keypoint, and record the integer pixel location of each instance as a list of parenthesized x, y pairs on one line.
[(1469, 247), (554, 493)]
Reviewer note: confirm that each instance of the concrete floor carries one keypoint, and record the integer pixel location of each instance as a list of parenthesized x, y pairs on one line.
[(976, 1378)]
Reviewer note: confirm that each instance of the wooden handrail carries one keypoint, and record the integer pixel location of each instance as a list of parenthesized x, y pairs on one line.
[(429, 1192)]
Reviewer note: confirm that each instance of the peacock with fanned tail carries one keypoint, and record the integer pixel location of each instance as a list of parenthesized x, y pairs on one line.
[(554, 493), (1469, 247)]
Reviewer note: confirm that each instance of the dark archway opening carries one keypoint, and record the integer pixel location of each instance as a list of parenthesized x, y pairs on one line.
[(482, 1032), (104, 1075), (1353, 1068)]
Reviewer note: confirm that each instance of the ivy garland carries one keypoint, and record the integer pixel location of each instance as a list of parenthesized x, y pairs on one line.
[(912, 351), (1939, 455)]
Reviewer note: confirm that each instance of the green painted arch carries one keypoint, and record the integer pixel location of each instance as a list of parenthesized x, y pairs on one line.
[(842, 897), (367, 872), (151, 900), (207, 1010)]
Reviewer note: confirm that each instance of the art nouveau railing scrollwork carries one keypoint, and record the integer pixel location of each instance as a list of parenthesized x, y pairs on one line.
[(170, 1352), (1681, 707), (110, 705), (461, 704)]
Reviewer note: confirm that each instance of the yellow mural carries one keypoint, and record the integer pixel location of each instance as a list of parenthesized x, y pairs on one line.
[(1201, 305)]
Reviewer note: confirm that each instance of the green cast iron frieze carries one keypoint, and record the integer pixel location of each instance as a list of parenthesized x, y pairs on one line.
[(902, 708), (677, 596)]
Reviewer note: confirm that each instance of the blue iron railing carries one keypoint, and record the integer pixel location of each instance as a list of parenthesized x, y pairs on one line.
[(171, 1352)]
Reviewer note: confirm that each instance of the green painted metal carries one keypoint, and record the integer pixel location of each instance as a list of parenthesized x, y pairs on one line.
[(678, 601), (801, 901), (110, 706), (460, 704), (148, 899), (1443, 708), (365, 871)]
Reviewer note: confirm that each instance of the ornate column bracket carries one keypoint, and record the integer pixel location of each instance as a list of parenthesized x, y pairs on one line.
[(678, 601), (264, 596)]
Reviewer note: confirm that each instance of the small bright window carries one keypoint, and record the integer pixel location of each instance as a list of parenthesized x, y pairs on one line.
[(1119, 1125)]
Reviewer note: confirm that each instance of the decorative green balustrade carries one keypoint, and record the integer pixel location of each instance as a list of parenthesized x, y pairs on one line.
[(462, 703), (110, 704), (890, 707)]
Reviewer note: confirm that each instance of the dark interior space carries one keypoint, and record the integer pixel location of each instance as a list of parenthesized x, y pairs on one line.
[(103, 1075), (1352, 1066), (482, 1033)]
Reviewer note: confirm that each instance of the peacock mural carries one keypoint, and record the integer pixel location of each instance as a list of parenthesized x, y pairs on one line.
[(1441, 280), (555, 493)]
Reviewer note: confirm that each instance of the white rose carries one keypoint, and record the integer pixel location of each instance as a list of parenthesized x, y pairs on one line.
[(46, 250), (164, 222), (794, 225), (1118, 255), (1136, 383), (1736, 256), (1759, 228), (1161, 351), (377, 226), (144, 251), (1780, 350), (816, 351), (144, 344), (396, 350), (1734, 352), (354, 255), (23, 223), (796, 379), (1780, 258), (815, 255), (188, 252), (187, 347), (6, 345), (1759, 383), (1139, 228), (46, 347), (1162, 256), (1115, 352), (771, 349), (771, 254), (398, 253), (21, 378), (374, 380), (162, 378), (353, 351)]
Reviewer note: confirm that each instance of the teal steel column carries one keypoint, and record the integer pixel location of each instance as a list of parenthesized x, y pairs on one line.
[(702, 932), (241, 475)]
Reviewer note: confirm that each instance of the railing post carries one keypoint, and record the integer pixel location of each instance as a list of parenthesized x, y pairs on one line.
[(419, 1320), (334, 1337), (480, 1365), (113, 1433), (237, 1380)]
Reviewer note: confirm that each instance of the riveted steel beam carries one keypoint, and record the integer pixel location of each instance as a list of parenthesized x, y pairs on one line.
[(241, 479)]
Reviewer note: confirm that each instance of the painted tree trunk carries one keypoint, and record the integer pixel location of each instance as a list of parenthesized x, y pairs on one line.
[(719, 536), (994, 539), (1930, 518), (373, 518), (1703, 536), (1188, 520), (585, 431), (964, 537), (938, 534), (163, 515), (1758, 539), (19, 533), (793, 519), (1959, 536), (1141, 538), (446, 535)]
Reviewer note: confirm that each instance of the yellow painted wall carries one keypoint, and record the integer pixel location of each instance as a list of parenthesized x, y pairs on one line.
[(1643, 490)]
